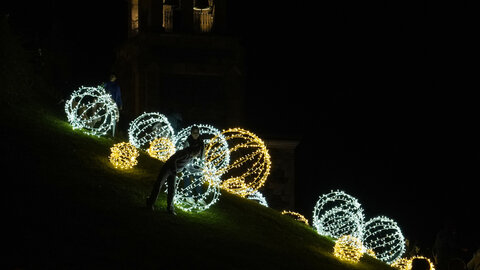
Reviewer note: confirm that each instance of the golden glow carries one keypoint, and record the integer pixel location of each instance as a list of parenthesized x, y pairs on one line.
[(249, 161), (406, 264), (161, 149), (296, 216), (348, 248), (123, 155), (402, 264)]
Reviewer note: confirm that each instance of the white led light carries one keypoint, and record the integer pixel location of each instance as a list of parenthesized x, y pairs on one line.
[(383, 236), (148, 127), (337, 214), (198, 188), (258, 197), (92, 109)]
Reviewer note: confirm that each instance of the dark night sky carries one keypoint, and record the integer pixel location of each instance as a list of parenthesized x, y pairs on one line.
[(378, 92)]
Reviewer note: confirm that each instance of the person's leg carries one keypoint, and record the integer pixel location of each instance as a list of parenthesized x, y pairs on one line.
[(171, 193), (161, 178)]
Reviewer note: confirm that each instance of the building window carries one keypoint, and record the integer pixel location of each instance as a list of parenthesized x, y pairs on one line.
[(134, 17)]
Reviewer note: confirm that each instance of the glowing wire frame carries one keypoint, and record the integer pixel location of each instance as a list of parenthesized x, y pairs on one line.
[(92, 109)]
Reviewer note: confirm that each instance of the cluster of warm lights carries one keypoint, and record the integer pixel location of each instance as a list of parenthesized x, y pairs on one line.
[(148, 127), (406, 263), (383, 236), (123, 155), (348, 248), (92, 109), (161, 148), (250, 161), (296, 216), (337, 214)]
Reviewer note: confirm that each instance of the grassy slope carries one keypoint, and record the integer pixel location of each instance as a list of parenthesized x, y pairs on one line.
[(68, 208)]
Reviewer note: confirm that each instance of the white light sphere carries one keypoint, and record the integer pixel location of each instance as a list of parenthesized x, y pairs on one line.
[(219, 156), (148, 127), (337, 214), (198, 188), (92, 109), (383, 236)]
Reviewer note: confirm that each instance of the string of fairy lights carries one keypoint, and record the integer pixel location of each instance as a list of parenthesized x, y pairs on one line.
[(249, 160), (237, 161), (93, 110)]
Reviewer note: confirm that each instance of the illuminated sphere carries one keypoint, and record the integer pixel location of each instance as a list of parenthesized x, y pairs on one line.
[(296, 216), (148, 127), (249, 161), (161, 149), (198, 188), (92, 109), (218, 156), (123, 155), (410, 262), (384, 237), (258, 197), (402, 264), (337, 214), (348, 248)]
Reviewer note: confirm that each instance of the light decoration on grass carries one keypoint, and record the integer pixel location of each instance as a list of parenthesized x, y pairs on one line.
[(402, 264), (161, 148), (123, 155), (296, 216), (92, 109), (258, 197), (337, 214), (249, 161), (383, 236), (148, 127), (218, 156), (406, 263), (198, 188), (348, 248)]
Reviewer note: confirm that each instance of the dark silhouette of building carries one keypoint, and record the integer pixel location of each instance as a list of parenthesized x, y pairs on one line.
[(180, 59)]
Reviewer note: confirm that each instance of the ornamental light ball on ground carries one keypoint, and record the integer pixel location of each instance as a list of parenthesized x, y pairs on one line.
[(348, 248), (337, 214), (383, 236), (92, 109), (218, 156), (148, 127), (198, 188), (296, 216), (249, 161), (124, 155), (258, 197), (161, 149)]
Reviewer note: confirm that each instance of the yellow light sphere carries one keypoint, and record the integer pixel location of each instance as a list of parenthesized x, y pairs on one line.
[(348, 248), (123, 155), (432, 266), (161, 149), (249, 161), (402, 264)]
